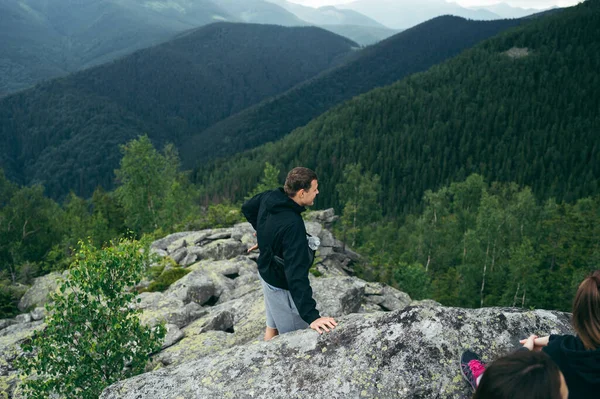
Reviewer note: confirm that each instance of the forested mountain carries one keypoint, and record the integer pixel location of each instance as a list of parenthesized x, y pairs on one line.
[(42, 39), (522, 107), (408, 52), (65, 133)]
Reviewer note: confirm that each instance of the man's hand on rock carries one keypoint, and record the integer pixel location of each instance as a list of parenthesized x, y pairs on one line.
[(323, 324)]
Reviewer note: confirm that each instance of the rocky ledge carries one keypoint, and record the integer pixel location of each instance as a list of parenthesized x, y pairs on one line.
[(386, 346), (409, 353)]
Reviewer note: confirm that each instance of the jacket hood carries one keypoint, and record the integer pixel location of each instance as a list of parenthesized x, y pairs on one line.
[(277, 201), (584, 362)]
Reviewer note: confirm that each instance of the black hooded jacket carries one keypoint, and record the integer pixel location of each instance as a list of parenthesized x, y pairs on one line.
[(580, 367), (280, 231)]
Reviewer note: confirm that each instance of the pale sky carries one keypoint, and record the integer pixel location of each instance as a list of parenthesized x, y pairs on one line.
[(464, 3)]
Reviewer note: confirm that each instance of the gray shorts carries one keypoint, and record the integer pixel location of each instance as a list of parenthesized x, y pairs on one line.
[(282, 313)]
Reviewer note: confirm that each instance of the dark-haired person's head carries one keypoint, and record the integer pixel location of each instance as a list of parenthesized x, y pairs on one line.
[(586, 311), (301, 185), (522, 375)]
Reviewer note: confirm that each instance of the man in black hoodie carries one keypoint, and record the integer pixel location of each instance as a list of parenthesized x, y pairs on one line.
[(276, 217)]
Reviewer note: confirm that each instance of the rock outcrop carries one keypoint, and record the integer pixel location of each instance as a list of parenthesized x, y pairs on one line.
[(409, 353), (217, 305), (386, 345)]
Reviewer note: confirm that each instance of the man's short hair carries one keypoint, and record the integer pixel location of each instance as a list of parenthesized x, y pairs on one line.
[(298, 179)]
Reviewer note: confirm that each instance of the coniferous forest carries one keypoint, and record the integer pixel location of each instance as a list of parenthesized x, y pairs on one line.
[(414, 50), (523, 107), (474, 183)]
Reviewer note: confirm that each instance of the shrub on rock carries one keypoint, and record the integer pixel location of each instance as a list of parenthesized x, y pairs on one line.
[(93, 336)]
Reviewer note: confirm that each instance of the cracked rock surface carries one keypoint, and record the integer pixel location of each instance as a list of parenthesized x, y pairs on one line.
[(386, 345), (408, 353)]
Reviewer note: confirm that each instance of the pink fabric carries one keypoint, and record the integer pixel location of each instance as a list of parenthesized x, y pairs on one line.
[(477, 368)]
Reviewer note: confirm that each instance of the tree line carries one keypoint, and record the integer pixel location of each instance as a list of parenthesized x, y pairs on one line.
[(39, 235), (475, 243)]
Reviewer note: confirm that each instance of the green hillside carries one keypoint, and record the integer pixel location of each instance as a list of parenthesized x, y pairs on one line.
[(65, 133), (522, 107), (408, 52)]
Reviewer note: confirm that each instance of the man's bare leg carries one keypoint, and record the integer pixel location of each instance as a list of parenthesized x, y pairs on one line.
[(270, 333)]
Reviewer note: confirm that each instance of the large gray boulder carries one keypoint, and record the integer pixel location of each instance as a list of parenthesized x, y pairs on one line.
[(325, 217), (160, 308), (337, 296), (238, 318), (39, 293), (227, 275), (217, 244), (386, 297), (408, 353), (194, 287), (233, 323), (165, 242)]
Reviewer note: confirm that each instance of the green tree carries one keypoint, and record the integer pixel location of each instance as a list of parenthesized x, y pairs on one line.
[(434, 226), (413, 279), (7, 189), (490, 220), (108, 217), (93, 337), (523, 265), (152, 191), (77, 219), (360, 191), (269, 181), (29, 227)]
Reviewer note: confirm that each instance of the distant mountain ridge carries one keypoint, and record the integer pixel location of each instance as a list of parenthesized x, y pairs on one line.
[(260, 11), (363, 35), (328, 15), (42, 39), (406, 13), (65, 133), (345, 22), (506, 11)]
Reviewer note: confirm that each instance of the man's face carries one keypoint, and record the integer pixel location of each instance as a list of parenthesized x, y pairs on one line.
[(307, 197)]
